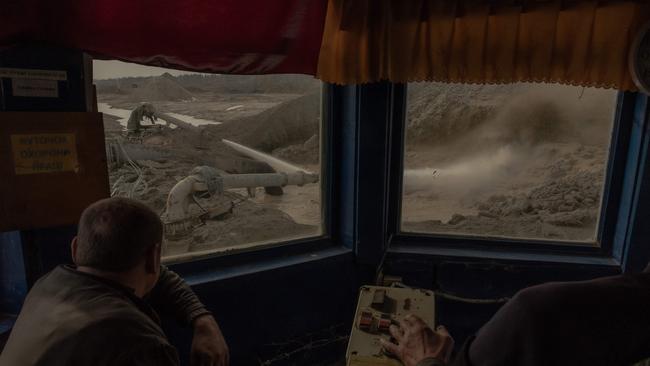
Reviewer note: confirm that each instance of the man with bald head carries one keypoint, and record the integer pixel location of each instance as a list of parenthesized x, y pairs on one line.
[(101, 311)]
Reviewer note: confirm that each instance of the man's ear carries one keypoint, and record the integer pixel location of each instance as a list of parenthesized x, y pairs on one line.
[(152, 262), (73, 249)]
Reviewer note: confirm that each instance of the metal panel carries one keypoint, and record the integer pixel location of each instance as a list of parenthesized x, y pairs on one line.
[(73, 91), (51, 198), (379, 308)]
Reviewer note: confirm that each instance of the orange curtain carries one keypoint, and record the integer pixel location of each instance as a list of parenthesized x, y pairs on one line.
[(572, 42)]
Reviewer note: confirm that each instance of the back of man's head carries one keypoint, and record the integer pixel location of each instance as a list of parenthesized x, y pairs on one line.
[(115, 234)]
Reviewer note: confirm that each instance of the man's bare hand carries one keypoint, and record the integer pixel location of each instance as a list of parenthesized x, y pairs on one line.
[(417, 342), (209, 348)]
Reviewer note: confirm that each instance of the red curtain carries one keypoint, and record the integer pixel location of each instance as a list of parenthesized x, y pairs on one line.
[(222, 36)]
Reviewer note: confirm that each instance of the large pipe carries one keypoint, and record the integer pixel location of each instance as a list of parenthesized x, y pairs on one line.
[(178, 200), (173, 120), (275, 163), (268, 180), (414, 180)]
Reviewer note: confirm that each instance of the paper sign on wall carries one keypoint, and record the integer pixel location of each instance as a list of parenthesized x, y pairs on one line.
[(35, 88), (44, 153), (12, 73), (33, 82)]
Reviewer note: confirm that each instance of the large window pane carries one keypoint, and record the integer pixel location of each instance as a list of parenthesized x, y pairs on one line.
[(520, 161), (165, 133)]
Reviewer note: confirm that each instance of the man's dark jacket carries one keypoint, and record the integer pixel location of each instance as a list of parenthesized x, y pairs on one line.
[(73, 318), (602, 322)]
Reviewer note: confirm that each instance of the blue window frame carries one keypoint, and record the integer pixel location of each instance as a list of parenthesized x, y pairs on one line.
[(373, 118), (258, 289), (472, 267), (627, 157)]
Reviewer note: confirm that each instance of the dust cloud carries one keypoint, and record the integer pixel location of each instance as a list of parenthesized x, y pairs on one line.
[(479, 175)]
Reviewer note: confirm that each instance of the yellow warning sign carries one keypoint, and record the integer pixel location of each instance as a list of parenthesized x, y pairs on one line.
[(44, 153)]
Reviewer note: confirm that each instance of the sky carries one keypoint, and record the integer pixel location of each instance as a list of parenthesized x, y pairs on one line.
[(119, 69)]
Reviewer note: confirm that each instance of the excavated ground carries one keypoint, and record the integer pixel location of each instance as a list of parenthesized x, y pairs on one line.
[(500, 161), (528, 162), (253, 221)]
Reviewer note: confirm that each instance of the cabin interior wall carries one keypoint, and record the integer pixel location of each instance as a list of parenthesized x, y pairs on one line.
[(477, 285), (262, 314), (13, 280), (261, 310)]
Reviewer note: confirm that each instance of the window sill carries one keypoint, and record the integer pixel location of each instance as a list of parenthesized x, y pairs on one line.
[(501, 255), (222, 270)]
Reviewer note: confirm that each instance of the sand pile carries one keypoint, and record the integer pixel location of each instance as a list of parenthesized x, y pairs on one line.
[(161, 88), (515, 161), (249, 222), (571, 201), (564, 189), (444, 112), (305, 153), (552, 190), (290, 123), (287, 124), (121, 86), (505, 114)]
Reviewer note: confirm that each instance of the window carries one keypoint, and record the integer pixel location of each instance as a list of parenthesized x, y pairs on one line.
[(521, 161), (186, 145)]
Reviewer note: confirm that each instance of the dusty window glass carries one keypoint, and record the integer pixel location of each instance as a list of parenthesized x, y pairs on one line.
[(519, 161), (229, 162)]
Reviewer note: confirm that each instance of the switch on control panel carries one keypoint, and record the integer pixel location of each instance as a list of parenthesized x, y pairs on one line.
[(377, 309)]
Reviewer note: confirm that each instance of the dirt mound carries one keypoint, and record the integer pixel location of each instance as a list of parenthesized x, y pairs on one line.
[(248, 223), (251, 84), (550, 191), (444, 112), (287, 124), (306, 153), (161, 88), (576, 194), (290, 123), (566, 193), (525, 114), (109, 87)]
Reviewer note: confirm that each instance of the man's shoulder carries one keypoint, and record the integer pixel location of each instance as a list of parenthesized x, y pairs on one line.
[(133, 335), (618, 288), (85, 305), (124, 333), (123, 320)]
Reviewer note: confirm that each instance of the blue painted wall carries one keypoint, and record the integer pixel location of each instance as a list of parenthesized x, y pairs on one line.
[(13, 278)]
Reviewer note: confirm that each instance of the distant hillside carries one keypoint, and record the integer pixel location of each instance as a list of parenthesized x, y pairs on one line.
[(117, 86), (161, 88), (150, 89), (227, 84), (251, 84)]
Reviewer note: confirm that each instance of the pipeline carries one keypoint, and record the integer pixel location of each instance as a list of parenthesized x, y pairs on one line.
[(207, 179)]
